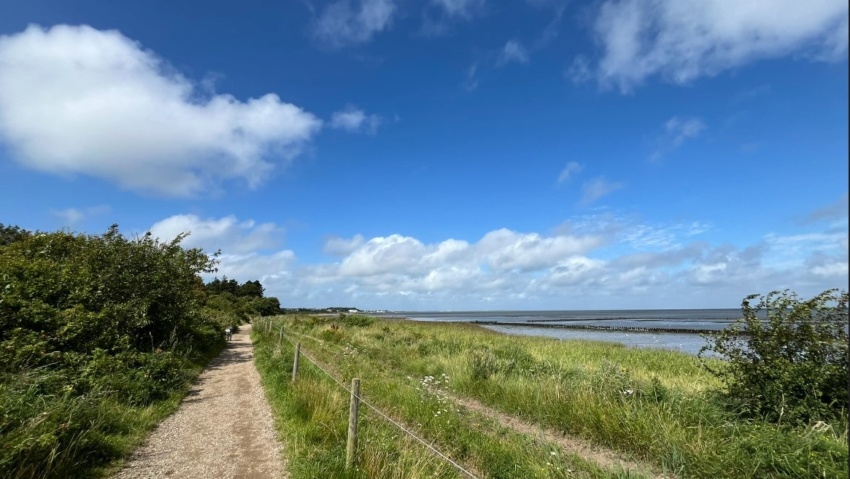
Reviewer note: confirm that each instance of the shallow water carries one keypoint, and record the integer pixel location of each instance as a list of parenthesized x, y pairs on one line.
[(697, 320), (684, 342)]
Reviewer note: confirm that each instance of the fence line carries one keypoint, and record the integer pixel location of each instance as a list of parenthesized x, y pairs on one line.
[(378, 411)]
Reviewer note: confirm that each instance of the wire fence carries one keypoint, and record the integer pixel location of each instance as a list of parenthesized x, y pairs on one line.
[(372, 407)]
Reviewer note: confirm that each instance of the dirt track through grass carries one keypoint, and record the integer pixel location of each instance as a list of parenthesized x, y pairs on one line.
[(603, 457), (223, 429)]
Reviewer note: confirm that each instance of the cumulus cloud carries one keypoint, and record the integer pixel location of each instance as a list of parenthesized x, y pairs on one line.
[(600, 261), (346, 22), (391, 254), (676, 131), (568, 171), (513, 51), (355, 120), (506, 250), (681, 40), (336, 246), (76, 100), (270, 269), (596, 188), (227, 234)]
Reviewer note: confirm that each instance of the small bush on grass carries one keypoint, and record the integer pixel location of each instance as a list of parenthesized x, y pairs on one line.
[(358, 320), (791, 366)]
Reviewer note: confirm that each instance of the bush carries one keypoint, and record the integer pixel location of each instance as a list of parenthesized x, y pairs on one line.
[(356, 320), (90, 327), (787, 359)]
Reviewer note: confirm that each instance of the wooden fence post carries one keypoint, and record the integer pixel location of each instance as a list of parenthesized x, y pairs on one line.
[(295, 362), (354, 407), (280, 337)]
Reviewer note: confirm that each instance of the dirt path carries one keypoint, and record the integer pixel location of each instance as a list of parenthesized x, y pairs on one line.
[(223, 429), (605, 458)]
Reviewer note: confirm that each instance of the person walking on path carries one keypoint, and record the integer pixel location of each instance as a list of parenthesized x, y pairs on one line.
[(223, 429)]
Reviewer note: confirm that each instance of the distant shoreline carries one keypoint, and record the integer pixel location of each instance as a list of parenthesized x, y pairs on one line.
[(633, 329)]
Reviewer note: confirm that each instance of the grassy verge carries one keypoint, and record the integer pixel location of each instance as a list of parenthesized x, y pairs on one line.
[(656, 406), (64, 435)]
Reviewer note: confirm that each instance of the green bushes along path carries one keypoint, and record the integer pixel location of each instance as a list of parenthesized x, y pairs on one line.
[(99, 336)]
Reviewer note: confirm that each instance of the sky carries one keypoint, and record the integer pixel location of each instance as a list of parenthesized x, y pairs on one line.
[(444, 154)]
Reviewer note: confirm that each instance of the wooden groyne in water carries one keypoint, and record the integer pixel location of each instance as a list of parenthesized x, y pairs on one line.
[(634, 329)]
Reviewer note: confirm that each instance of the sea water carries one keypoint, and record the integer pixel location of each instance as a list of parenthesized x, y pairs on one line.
[(529, 323)]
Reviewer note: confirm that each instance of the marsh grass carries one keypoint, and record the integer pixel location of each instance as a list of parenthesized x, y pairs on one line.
[(653, 405), (315, 438)]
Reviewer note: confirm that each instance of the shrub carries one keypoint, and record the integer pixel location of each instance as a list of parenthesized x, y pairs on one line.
[(357, 320), (787, 359), (91, 325)]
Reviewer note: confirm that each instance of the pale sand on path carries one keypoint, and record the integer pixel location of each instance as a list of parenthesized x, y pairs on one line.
[(223, 428)]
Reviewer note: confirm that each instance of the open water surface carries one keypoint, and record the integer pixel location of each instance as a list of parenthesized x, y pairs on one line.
[(685, 325)]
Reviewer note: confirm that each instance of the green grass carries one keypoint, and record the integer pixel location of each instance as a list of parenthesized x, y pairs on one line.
[(68, 435), (656, 406)]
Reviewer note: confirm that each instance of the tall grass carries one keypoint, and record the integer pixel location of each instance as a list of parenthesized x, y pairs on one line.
[(656, 406), (312, 417), (49, 434)]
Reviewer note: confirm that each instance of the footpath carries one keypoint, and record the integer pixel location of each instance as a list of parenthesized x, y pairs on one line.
[(223, 428)]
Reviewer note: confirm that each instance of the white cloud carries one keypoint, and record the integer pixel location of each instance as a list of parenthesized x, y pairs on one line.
[(336, 246), (505, 250), (596, 188), (786, 251), (621, 264), (72, 216), (346, 22), (681, 40), (460, 8), (837, 270), (643, 236), (355, 120), (227, 234), (270, 269), (513, 51), (75, 100), (576, 270), (394, 253), (568, 171), (69, 216), (676, 131)]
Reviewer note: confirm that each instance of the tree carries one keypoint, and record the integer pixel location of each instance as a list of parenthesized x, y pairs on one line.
[(268, 306), (12, 234), (787, 358), (251, 289)]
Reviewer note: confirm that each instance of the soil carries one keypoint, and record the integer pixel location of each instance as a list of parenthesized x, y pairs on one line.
[(223, 429), (604, 458)]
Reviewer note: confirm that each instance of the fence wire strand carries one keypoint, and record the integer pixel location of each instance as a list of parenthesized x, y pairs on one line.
[(379, 412)]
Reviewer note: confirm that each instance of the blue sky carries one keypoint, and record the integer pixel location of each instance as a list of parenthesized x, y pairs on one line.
[(444, 154)]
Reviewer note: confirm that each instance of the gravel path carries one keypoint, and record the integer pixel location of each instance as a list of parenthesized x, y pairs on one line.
[(223, 429)]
